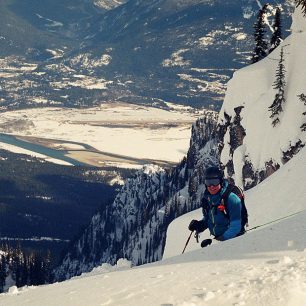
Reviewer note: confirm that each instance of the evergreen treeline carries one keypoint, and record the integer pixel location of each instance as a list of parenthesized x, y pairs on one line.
[(262, 46), (39, 199), (18, 268), (277, 31)]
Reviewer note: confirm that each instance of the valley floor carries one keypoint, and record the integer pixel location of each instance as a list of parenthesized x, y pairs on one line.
[(114, 134)]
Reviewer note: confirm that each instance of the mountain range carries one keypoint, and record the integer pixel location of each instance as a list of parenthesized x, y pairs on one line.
[(81, 53)]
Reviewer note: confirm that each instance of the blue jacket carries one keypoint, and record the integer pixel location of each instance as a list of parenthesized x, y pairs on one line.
[(222, 225)]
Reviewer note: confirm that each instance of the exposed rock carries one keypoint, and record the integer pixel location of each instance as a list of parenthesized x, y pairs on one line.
[(271, 167), (249, 176), (231, 134), (237, 132), (293, 150), (222, 129)]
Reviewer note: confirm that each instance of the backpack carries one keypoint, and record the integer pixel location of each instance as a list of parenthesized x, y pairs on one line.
[(239, 192)]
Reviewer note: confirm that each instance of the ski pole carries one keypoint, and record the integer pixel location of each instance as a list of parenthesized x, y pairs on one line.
[(285, 217), (187, 242)]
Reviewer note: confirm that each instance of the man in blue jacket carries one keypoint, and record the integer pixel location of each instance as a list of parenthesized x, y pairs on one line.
[(223, 221)]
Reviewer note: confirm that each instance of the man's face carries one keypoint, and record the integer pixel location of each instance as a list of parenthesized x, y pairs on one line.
[(214, 189)]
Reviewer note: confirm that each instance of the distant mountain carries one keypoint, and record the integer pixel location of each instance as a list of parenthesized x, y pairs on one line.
[(30, 27), (139, 52)]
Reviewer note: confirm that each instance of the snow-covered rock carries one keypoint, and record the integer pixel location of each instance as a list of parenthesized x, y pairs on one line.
[(252, 89)]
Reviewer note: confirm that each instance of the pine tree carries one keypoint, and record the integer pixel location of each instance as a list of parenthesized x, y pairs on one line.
[(301, 3), (261, 45), (279, 85), (17, 259), (277, 106), (276, 38), (47, 267), (3, 266), (302, 98)]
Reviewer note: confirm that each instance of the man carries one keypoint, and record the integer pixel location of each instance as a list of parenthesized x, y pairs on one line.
[(223, 221)]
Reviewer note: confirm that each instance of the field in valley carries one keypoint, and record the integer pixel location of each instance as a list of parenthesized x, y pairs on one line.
[(114, 134)]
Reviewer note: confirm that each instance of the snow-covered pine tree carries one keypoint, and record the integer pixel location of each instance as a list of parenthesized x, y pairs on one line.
[(261, 46), (302, 98), (303, 5), (277, 31), (277, 106)]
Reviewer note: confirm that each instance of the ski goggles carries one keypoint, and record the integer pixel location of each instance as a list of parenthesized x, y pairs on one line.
[(212, 182)]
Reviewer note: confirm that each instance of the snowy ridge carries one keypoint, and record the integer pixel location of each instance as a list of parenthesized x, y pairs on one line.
[(264, 148)]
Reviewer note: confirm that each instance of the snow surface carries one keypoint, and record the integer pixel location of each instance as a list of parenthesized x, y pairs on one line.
[(263, 143), (266, 266)]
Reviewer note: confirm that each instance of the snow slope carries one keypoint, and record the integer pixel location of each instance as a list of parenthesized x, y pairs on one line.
[(280, 195), (253, 88), (266, 266)]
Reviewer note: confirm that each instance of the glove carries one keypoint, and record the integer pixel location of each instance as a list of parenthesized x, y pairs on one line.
[(193, 226), (196, 225)]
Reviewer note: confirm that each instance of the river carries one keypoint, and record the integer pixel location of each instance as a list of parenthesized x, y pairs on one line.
[(57, 154)]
